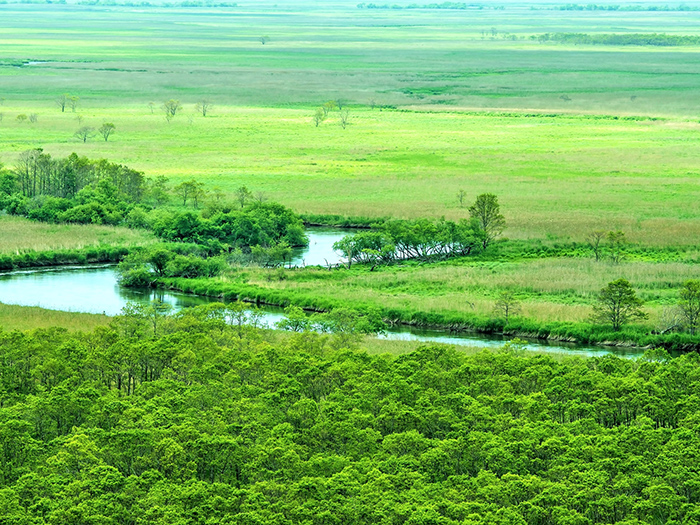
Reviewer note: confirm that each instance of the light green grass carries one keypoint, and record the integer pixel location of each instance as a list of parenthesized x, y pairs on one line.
[(18, 235), (561, 176), (31, 317)]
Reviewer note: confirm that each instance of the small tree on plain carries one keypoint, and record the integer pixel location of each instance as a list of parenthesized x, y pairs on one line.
[(618, 304), (21, 117), (73, 102), (106, 130), (61, 101), (461, 194), (329, 106), (319, 116), (171, 107), (486, 212), (689, 304), (79, 118), (33, 117), (264, 39), (151, 106), (85, 133), (507, 305), (344, 118), (203, 107)]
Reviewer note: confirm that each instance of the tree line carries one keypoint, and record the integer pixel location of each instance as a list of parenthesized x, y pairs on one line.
[(424, 239), (619, 39)]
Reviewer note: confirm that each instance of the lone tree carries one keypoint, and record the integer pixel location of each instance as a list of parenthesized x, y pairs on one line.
[(618, 304), (689, 304), (344, 117), (507, 305), (21, 117), (319, 116), (84, 133), (73, 102), (61, 101), (460, 197), (203, 107), (264, 39), (486, 213), (171, 107), (106, 130)]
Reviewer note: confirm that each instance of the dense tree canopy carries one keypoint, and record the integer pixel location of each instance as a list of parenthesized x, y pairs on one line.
[(213, 421)]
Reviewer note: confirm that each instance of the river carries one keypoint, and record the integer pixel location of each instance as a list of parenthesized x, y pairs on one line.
[(94, 289)]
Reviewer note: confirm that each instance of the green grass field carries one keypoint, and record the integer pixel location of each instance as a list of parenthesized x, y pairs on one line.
[(18, 235), (571, 138), (31, 317)]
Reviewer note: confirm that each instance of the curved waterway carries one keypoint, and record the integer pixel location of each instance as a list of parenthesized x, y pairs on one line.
[(94, 289)]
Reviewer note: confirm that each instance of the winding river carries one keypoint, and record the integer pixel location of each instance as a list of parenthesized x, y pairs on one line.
[(94, 289)]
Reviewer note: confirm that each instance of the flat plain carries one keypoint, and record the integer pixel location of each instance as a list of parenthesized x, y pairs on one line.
[(571, 138)]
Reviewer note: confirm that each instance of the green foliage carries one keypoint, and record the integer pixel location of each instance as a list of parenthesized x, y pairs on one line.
[(419, 239), (196, 421), (618, 304), (689, 303)]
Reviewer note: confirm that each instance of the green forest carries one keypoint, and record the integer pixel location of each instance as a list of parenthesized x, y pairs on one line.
[(190, 419)]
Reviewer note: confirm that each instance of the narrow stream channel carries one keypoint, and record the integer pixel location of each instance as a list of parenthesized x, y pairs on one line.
[(94, 289)]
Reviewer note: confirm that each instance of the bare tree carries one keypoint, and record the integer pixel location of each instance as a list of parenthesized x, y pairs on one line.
[(595, 240), (106, 130), (203, 107), (151, 106), (171, 107), (344, 117), (84, 133), (461, 194), (79, 118), (507, 305), (260, 197), (33, 117), (61, 101), (264, 39)]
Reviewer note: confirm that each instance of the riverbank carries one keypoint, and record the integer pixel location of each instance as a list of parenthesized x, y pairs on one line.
[(633, 336)]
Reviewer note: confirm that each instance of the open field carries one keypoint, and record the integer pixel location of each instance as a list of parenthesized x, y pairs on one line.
[(18, 235), (552, 289), (557, 173), (561, 176), (31, 317), (111, 55)]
